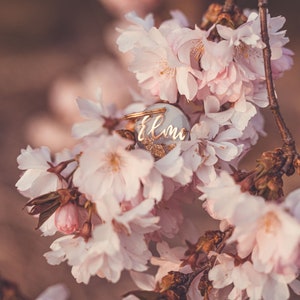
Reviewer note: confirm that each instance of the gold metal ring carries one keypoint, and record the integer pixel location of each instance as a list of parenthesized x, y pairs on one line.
[(144, 113)]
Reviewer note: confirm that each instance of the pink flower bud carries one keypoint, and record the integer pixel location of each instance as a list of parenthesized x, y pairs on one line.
[(66, 218)]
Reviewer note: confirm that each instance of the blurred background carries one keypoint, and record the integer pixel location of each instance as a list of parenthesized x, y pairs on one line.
[(53, 51)]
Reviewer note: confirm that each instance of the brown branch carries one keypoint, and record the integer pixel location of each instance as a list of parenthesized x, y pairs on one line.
[(286, 136), (273, 101)]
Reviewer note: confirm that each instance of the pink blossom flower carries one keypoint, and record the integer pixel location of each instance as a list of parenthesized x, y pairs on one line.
[(220, 74), (243, 112), (133, 34), (209, 144), (130, 225), (252, 131), (188, 44), (117, 244), (212, 110), (87, 258), (95, 112), (66, 248), (246, 281), (67, 219), (236, 118), (222, 197), (144, 281), (170, 217), (258, 96), (135, 222), (153, 186), (36, 180), (277, 38), (226, 273), (124, 213), (282, 64), (270, 233), (247, 43), (122, 7), (58, 292), (169, 260), (213, 64), (263, 229), (48, 228), (247, 33), (164, 75), (168, 171), (107, 167), (216, 57), (172, 166)]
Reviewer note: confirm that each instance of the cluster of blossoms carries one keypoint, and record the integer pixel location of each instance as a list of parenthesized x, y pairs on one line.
[(123, 185), (263, 251)]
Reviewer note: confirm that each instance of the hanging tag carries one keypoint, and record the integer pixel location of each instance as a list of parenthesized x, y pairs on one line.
[(159, 127)]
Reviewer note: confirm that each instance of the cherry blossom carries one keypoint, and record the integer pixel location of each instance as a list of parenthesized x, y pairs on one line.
[(67, 219), (207, 146), (263, 230), (169, 260), (164, 74), (119, 8), (96, 113), (132, 35), (58, 291), (271, 234), (246, 281), (248, 45), (106, 165), (247, 33), (36, 180), (115, 245), (282, 64), (222, 197), (49, 228)]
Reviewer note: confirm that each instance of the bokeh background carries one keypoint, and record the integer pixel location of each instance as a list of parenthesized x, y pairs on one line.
[(53, 51)]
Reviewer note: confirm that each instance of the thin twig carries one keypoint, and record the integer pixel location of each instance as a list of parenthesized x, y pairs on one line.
[(286, 136), (273, 101)]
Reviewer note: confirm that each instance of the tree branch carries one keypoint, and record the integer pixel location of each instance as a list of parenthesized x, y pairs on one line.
[(286, 136)]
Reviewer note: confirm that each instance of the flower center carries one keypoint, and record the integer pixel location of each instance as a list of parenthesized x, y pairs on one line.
[(242, 51), (165, 69), (197, 50), (114, 161), (271, 222)]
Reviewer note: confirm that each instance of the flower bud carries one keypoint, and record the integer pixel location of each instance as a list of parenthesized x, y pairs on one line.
[(66, 218)]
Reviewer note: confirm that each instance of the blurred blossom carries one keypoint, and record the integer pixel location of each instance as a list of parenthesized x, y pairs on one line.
[(119, 8), (55, 292), (55, 131)]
